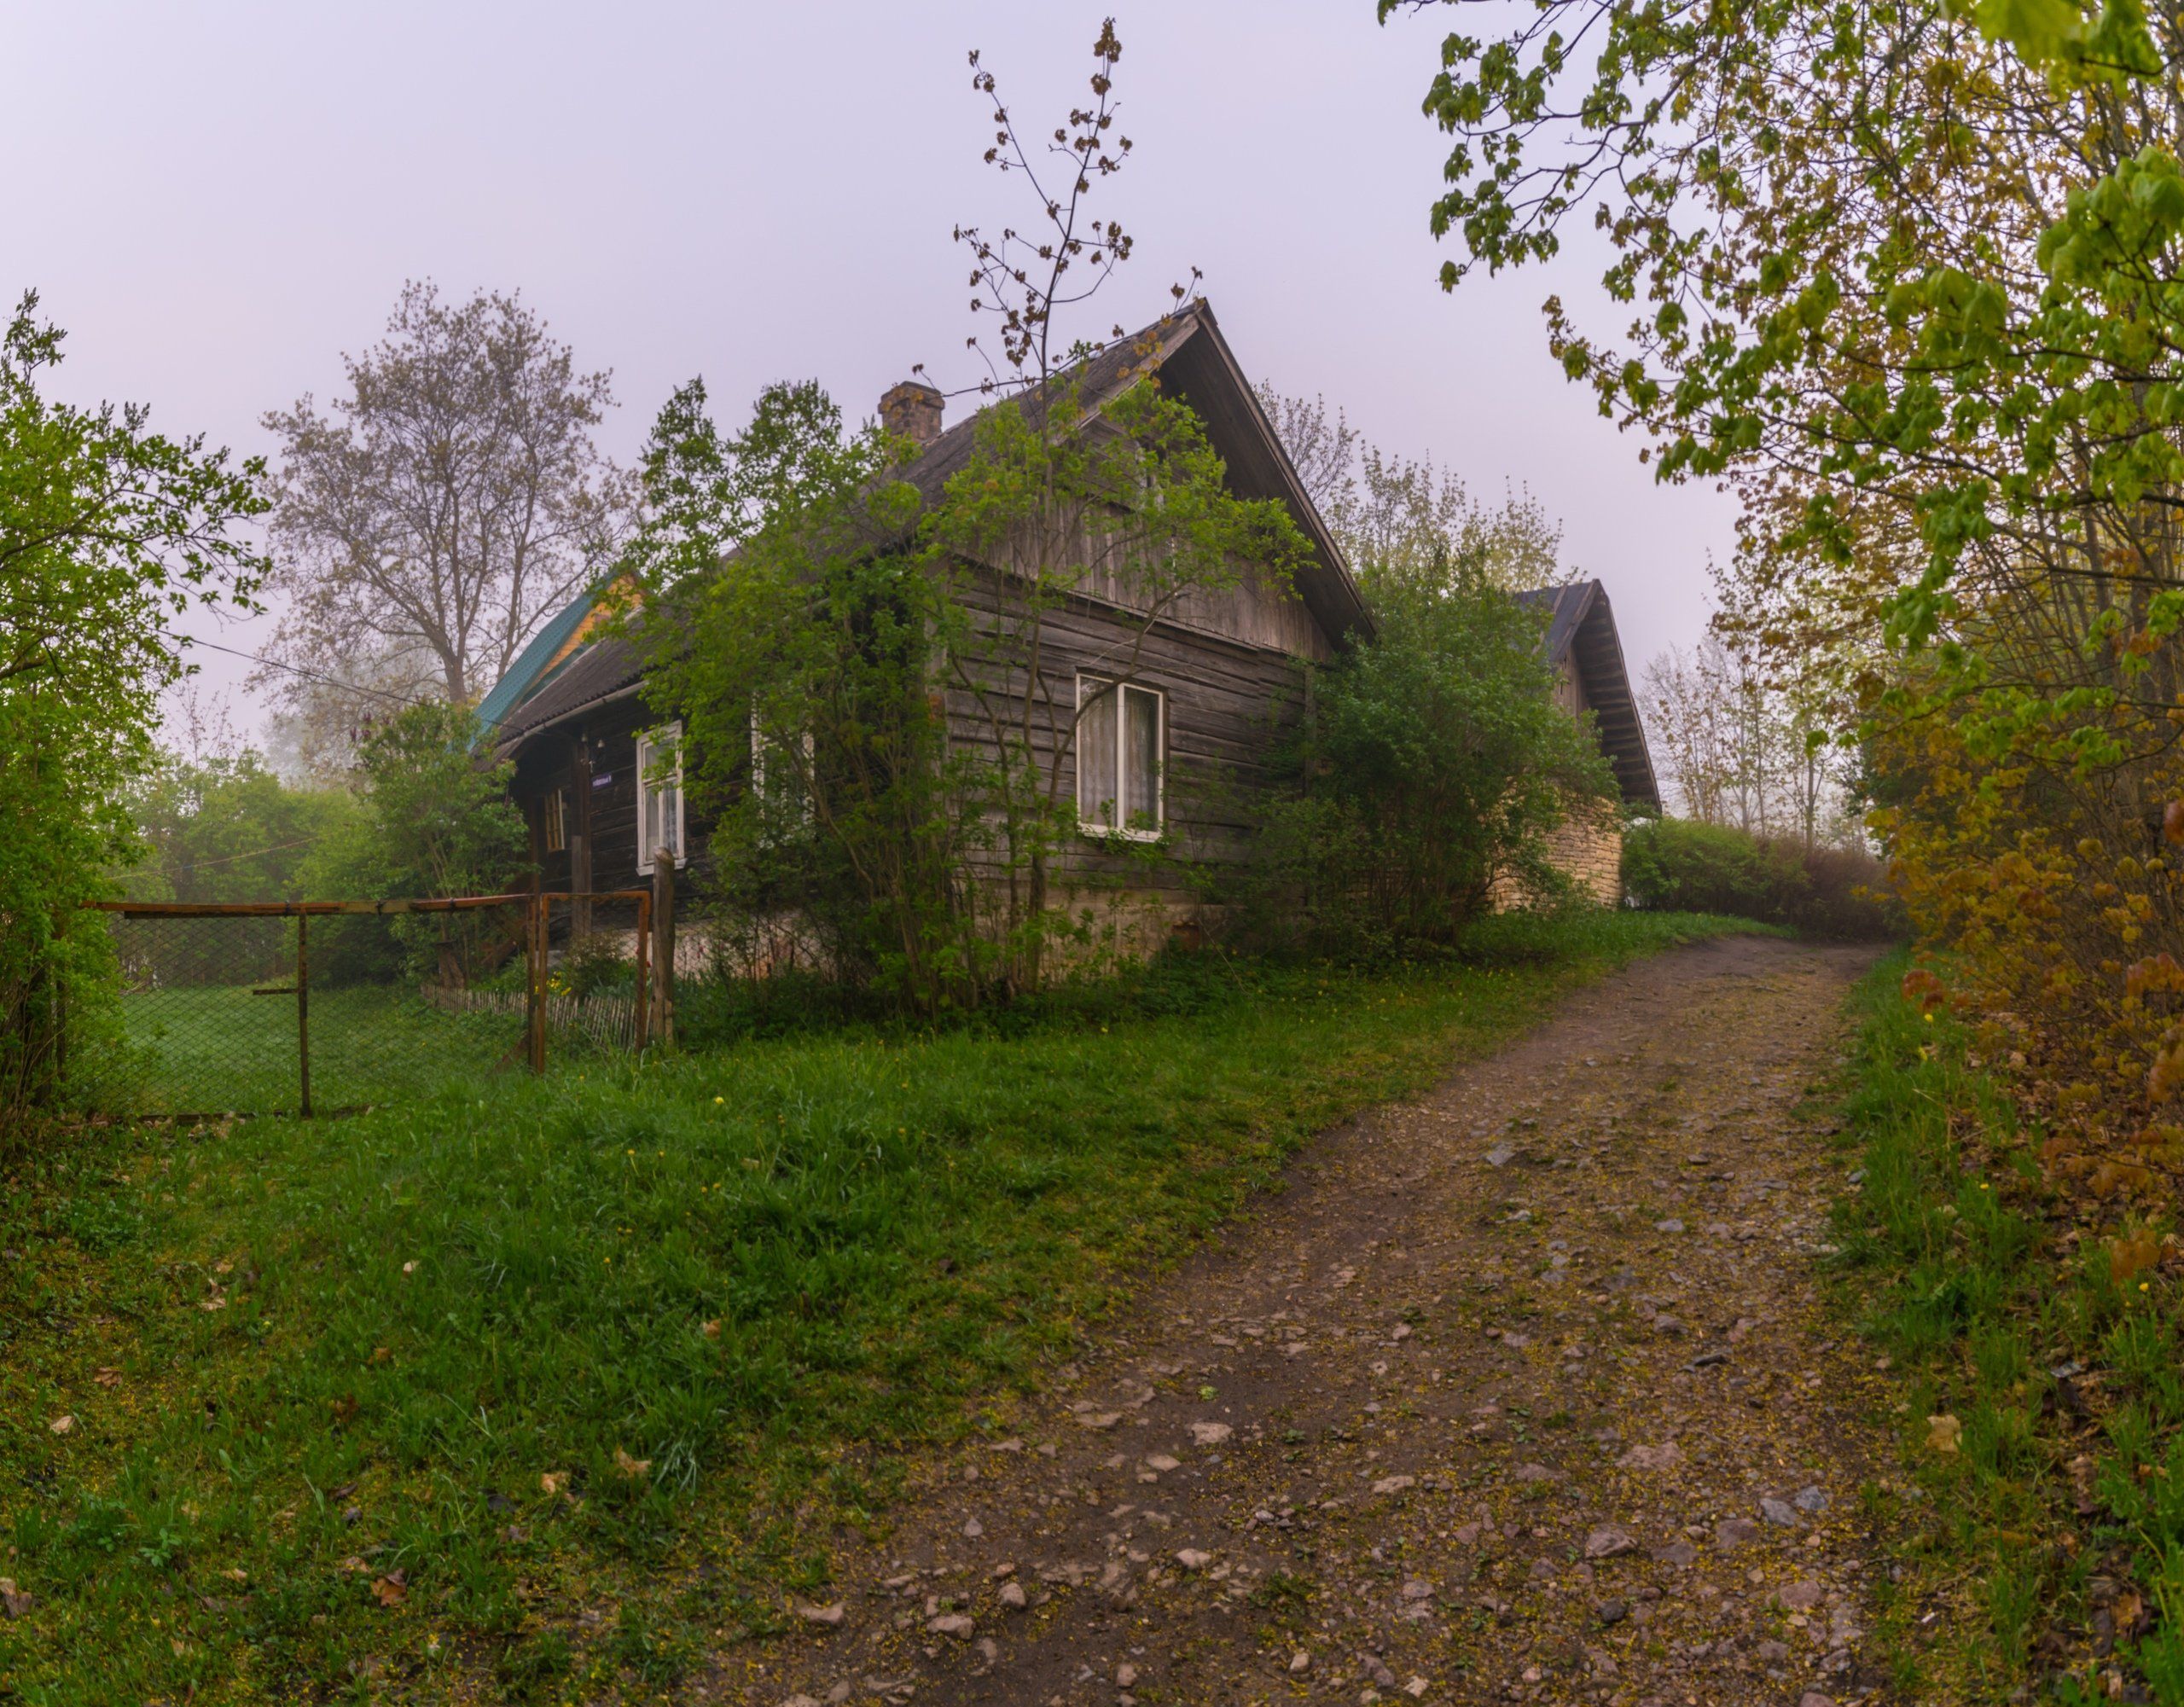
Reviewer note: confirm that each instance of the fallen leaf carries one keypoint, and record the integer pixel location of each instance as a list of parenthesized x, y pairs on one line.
[(343, 1407), (381, 1353), (216, 1302), (2128, 1256), (235, 1574), (554, 1481), (1942, 1433), (62, 1425), (17, 1604), (631, 1467), (712, 1329), (392, 1589), (108, 1378)]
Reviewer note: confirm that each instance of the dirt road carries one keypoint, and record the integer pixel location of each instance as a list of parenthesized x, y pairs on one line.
[(1520, 1392)]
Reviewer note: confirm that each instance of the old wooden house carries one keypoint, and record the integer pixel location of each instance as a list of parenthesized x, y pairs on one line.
[(1169, 724)]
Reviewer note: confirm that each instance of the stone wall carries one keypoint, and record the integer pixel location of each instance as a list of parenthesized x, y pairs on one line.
[(1587, 847)]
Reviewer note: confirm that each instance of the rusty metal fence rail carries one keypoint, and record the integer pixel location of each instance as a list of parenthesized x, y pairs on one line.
[(319, 1006)]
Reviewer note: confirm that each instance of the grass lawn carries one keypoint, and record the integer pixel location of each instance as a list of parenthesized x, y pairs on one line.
[(391, 1402), (207, 1049), (2060, 1367)]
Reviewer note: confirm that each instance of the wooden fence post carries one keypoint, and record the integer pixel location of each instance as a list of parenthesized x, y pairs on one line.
[(303, 1010), (641, 1020), (538, 936), (662, 946)]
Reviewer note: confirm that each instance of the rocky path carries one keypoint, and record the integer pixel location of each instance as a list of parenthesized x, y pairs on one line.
[(1520, 1392)]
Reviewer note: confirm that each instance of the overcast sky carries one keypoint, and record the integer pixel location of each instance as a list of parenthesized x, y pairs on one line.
[(216, 201)]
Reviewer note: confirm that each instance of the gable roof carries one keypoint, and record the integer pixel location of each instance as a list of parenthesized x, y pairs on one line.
[(536, 660), (1193, 361), (1581, 635)]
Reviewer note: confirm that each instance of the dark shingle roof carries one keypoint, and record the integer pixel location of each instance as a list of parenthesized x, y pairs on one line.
[(1581, 634), (603, 671), (1193, 360)]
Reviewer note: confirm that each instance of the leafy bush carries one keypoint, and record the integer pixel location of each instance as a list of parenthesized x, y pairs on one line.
[(108, 533), (1680, 865), (434, 822), (1434, 759)]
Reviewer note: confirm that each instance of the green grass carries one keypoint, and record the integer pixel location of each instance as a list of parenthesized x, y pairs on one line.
[(420, 1312), (219, 1048), (212, 1049), (1951, 1248)]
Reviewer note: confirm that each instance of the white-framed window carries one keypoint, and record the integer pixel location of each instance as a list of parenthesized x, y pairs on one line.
[(1122, 733), (553, 820), (777, 782), (660, 795)]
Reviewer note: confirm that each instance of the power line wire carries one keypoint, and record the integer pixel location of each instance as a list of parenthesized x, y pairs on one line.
[(297, 669), (230, 859)]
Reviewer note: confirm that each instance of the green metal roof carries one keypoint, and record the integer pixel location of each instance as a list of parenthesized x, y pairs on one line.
[(524, 675)]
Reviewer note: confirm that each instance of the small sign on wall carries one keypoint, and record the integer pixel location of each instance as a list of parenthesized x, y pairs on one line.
[(603, 779)]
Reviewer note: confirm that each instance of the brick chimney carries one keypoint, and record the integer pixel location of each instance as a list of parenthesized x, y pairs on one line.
[(912, 410)]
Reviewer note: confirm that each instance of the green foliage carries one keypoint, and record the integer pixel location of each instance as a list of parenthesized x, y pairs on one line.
[(1910, 278), (1434, 759), (1681, 865), (109, 534), (2057, 1358), (815, 673), (435, 819), (429, 1307), (1680, 862), (229, 829)]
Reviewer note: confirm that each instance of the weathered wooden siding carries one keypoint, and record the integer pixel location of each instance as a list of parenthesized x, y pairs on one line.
[(1230, 706), (607, 807)]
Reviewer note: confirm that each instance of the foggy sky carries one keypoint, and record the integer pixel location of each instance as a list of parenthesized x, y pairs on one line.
[(216, 201)]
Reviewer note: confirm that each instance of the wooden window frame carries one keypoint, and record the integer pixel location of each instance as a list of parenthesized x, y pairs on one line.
[(554, 821), (648, 741), (1090, 687)]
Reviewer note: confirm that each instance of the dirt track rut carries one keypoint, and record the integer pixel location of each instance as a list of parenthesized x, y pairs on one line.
[(1521, 1392)]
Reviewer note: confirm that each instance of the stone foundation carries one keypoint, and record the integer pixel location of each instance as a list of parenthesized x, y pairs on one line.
[(1586, 847)]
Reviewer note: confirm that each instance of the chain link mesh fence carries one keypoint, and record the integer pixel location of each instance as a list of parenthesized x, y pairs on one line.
[(318, 1007)]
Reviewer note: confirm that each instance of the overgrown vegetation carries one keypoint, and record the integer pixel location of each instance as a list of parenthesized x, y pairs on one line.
[(2043, 1409), (1820, 890), (1909, 280), (1434, 761), (388, 1404), (109, 534)]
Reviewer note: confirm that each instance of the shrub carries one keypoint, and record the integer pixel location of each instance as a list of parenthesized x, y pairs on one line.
[(1435, 758), (1677, 864), (109, 534)]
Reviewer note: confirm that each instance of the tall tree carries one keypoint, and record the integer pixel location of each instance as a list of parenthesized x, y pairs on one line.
[(431, 519), (109, 534), (1393, 513)]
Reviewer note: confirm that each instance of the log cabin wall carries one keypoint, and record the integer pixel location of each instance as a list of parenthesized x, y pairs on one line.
[(1228, 704), (604, 741)]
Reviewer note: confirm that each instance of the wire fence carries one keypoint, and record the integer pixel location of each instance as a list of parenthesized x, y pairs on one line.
[(324, 1007)]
